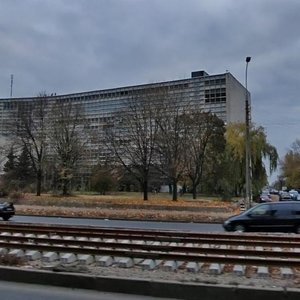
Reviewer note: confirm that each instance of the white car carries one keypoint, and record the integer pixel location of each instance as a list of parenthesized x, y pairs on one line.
[(294, 194)]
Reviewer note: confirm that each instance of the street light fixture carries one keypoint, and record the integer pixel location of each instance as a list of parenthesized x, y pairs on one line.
[(248, 142)]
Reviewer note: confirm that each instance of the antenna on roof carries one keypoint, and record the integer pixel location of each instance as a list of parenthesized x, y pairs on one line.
[(11, 84)]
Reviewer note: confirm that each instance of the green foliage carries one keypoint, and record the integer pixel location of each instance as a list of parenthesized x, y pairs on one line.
[(18, 171), (261, 151), (10, 165), (291, 166), (24, 170)]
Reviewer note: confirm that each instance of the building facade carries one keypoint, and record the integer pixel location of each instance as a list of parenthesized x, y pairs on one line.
[(221, 94)]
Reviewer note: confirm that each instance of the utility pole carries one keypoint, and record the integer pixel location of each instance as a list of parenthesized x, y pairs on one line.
[(248, 142), (11, 84)]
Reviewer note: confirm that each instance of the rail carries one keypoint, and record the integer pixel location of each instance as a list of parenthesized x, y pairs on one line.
[(223, 248)]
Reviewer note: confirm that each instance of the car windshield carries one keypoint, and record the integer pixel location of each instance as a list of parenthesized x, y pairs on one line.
[(260, 210)]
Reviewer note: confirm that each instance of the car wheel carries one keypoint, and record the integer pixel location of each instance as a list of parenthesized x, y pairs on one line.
[(6, 218), (239, 228), (297, 228)]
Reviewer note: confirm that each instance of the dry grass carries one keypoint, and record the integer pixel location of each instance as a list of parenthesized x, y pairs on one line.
[(128, 206), (121, 198)]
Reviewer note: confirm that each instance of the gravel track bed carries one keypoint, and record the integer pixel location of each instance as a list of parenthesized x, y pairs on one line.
[(180, 275)]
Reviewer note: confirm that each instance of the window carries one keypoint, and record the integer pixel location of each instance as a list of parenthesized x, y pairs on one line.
[(261, 210), (218, 81), (215, 95), (283, 209), (295, 209)]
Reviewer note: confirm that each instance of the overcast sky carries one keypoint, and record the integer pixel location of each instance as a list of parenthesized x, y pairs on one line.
[(66, 46)]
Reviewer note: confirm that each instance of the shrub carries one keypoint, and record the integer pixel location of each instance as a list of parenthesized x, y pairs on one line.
[(15, 196), (102, 182)]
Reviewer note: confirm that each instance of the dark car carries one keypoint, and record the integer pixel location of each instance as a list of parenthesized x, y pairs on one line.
[(273, 216), (7, 210)]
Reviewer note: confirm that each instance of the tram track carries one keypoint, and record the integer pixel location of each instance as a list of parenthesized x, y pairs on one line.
[(161, 245), (245, 239)]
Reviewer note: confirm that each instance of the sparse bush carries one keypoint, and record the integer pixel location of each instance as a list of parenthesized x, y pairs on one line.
[(3, 192), (102, 181), (16, 196)]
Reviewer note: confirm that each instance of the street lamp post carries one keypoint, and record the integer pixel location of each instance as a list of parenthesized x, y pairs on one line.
[(248, 142)]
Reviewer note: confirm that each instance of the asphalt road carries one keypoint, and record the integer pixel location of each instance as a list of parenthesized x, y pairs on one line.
[(22, 291), (198, 227)]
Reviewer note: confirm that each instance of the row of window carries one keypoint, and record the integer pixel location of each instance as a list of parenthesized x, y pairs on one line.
[(215, 100), (217, 81), (131, 92), (101, 120), (137, 92), (212, 92), (9, 105)]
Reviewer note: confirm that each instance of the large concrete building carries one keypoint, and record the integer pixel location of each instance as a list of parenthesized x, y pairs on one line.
[(221, 94)]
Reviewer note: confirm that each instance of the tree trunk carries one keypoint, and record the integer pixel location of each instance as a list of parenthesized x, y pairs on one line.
[(170, 188), (174, 191), (194, 192), (39, 182), (145, 190), (65, 187)]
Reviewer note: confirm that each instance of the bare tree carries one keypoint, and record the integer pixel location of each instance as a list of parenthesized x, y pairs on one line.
[(28, 127), (205, 140), (172, 137), (132, 136), (67, 138)]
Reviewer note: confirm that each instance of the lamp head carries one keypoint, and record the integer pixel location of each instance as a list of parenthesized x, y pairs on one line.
[(248, 58)]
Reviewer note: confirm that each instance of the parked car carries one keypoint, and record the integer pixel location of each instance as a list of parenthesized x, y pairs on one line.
[(264, 197), (272, 216), (294, 194), (7, 210), (274, 192), (285, 196)]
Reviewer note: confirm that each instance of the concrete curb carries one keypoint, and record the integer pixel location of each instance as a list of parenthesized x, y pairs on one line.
[(166, 289)]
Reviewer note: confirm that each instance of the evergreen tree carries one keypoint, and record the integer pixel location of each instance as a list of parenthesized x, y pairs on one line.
[(24, 170), (10, 165), (9, 177)]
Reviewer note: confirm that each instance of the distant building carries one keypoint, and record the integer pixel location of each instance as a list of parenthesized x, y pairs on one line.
[(221, 94)]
